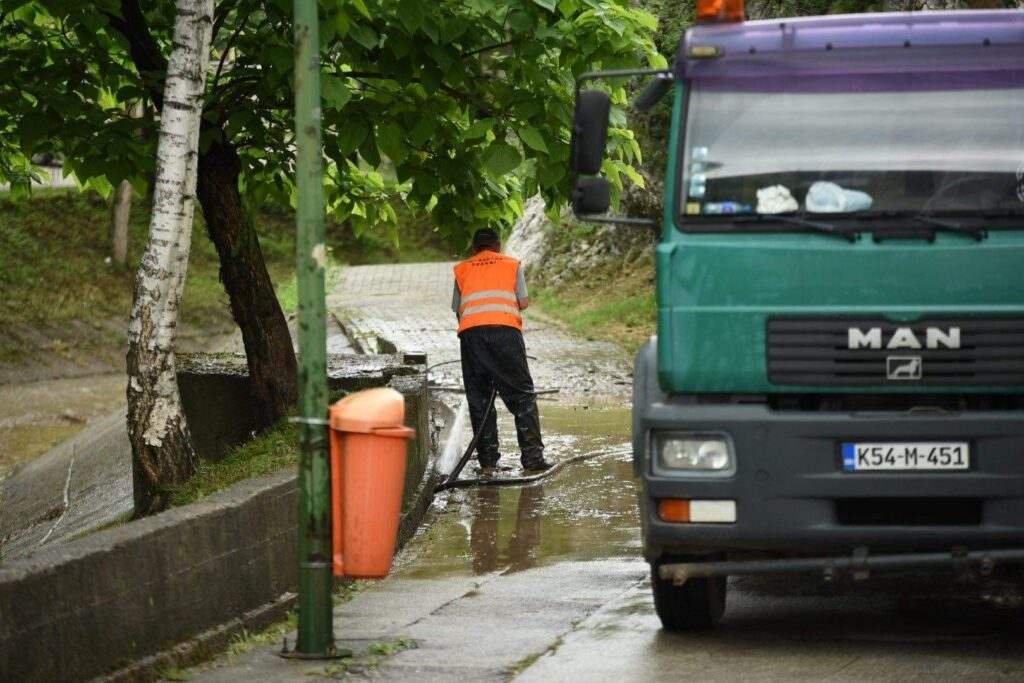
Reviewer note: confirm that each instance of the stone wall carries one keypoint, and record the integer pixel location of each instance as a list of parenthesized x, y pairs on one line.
[(556, 253), (93, 605)]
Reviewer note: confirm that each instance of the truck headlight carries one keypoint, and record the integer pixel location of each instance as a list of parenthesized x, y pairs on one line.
[(694, 452)]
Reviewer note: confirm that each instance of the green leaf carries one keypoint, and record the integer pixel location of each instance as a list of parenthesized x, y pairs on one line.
[(335, 92), (281, 58), (430, 29), (479, 129), (632, 174), (351, 134), (646, 19), (399, 45), (657, 61), (423, 130), (441, 56), (520, 21), (236, 121), (342, 24), (532, 138), (501, 159), (368, 149), (546, 4), (410, 13), (364, 35), (550, 174), (361, 8), (391, 140), (32, 129), (568, 7)]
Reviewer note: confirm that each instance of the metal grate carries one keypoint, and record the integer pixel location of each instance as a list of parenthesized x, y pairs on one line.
[(815, 351)]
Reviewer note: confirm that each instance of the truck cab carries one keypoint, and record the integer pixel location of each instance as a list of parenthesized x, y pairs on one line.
[(837, 380)]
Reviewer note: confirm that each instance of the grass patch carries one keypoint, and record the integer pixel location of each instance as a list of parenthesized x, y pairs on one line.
[(288, 291), (388, 648), (272, 635), (531, 659), (276, 448), (376, 654), (610, 297), (62, 297)]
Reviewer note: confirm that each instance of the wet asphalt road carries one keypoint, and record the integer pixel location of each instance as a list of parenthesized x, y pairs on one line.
[(546, 583)]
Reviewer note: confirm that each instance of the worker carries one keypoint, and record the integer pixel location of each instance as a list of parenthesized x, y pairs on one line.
[(489, 295)]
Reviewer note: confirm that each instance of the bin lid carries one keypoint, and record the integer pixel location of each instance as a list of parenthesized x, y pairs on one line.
[(368, 411)]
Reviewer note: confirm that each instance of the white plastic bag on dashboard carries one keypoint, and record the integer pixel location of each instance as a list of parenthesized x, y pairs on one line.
[(826, 197)]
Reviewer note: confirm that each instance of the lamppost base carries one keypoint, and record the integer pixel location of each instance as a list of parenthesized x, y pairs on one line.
[(332, 652)]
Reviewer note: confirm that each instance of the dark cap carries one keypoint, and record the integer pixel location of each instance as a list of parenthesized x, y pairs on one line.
[(484, 238)]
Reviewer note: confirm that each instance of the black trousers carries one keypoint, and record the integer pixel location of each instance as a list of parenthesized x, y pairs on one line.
[(494, 357)]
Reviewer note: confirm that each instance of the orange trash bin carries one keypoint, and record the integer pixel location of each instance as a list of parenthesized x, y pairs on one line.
[(368, 443)]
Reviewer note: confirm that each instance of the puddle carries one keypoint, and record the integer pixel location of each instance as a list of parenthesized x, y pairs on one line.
[(587, 511)]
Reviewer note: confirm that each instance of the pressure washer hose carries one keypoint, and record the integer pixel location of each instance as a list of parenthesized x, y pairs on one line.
[(449, 482), (453, 481), (514, 481)]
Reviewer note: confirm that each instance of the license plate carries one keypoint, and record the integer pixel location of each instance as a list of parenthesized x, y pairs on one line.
[(921, 457)]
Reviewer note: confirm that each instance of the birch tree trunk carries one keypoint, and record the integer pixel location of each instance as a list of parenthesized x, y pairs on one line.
[(162, 453)]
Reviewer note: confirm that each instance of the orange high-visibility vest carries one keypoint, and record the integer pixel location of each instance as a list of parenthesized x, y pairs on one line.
[(487, 287)]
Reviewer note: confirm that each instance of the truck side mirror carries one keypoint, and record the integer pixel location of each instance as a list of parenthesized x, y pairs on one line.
[(590, 131), (654, 91), (591, 196)]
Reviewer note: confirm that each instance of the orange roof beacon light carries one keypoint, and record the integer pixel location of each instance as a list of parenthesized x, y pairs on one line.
[(720, 11)]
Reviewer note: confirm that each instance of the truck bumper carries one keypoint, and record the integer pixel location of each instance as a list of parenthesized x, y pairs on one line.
[(793, 498)]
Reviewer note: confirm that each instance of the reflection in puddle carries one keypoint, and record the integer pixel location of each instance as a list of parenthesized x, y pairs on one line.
[(587, 511), (521, 553)]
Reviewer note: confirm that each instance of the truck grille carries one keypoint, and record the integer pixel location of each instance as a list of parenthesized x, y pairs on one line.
[(822, 351)]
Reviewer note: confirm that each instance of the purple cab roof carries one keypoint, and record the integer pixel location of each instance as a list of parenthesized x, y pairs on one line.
[(841, 52)]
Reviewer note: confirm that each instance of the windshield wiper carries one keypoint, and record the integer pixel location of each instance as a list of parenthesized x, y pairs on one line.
[(951, 226), (827, 228)]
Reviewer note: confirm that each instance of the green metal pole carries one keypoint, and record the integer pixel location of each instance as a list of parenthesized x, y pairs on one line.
[(316, 634)]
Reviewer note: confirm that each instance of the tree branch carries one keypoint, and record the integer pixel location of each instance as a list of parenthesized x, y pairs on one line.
[(224, 55), (142, 46), (488, 48), (220, 15), (457, 94)]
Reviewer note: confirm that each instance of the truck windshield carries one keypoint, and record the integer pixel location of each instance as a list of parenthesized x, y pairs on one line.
[(861, 153)]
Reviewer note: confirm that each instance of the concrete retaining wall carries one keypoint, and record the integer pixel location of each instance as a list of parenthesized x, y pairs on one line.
[(217, 401), (136, 592)]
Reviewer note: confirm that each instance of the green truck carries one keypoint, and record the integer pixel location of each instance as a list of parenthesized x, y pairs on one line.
[(837, 381)]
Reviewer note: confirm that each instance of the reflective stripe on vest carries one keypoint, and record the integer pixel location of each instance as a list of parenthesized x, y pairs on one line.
[(487, 287)]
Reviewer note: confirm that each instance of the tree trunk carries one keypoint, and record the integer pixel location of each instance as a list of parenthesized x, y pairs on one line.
[(268, 345), (162, 453), (122, 210), (119, 223), (254, 304)]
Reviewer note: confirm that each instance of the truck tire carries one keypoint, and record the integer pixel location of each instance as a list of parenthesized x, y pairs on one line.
[(696, 605)]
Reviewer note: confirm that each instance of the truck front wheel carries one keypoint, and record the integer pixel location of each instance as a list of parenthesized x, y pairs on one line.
[(697, 604)]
